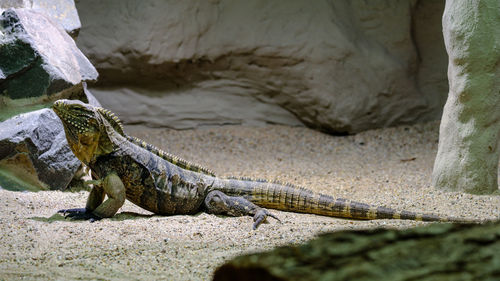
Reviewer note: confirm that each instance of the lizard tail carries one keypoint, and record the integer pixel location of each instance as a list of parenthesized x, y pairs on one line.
[(287, 197)]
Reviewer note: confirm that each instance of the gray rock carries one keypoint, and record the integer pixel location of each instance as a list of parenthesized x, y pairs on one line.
[(39, 62), (468, 154), (339, 66), (34, 153), (60, 11)]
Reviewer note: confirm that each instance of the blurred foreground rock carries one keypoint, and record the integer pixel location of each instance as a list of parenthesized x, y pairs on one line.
[(338, 66), (34, 153), (39, 62), (436, 252)]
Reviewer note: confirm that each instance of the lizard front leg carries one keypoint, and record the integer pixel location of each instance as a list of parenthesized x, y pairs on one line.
[(96, 209), (216, 202), (96, 197)]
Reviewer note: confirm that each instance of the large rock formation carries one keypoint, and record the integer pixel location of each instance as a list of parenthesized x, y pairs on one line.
[(338, 66), (437, 252), (39, 62), (467, 158)]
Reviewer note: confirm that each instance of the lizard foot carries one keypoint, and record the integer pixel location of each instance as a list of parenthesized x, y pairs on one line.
[(79, 214), (260, 217)]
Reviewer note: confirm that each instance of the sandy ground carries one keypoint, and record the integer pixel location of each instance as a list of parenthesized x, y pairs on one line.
[(390, 167)]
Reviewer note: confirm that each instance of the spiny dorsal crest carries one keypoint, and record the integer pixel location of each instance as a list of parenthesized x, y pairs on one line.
[(117, 125), (112, 119), (265, 181), (171, 158)]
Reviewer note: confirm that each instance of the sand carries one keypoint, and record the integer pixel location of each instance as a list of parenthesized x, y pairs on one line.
[(390, 167)]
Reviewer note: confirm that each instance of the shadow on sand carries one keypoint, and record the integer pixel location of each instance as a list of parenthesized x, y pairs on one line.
[(118, 217)]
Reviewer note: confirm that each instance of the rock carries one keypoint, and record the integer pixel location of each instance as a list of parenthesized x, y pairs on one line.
[(338, 66), (60, 11), (86, 96), (436, 252), (63, 11), (34, 153), (467, 158), (6, 4), (432, 79), (34, 150), (39, 62)]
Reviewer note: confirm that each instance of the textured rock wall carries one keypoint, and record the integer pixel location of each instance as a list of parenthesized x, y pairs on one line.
[(467, 158), (338, 66)]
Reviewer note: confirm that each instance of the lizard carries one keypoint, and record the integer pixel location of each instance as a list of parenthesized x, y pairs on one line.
[(127, 168)]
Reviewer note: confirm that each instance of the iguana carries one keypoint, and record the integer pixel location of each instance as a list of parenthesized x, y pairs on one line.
[(128, 168)]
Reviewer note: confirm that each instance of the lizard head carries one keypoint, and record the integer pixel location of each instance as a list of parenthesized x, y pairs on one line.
[(85, 128)]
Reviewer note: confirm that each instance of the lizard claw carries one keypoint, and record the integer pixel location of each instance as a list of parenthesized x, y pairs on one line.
[(260, 217), (79, 214), (72, 211), (274, 217)]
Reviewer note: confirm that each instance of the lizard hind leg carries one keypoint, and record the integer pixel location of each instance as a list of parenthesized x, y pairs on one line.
[(216, 202)]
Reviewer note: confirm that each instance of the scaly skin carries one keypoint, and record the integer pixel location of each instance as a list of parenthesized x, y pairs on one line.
[(128, 168), (117, 125)]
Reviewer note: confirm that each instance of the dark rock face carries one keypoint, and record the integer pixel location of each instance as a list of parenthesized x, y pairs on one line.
[(39, 62), (34, 153), (437, 252)]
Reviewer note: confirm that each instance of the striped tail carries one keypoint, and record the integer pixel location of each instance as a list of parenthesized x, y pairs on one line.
[(287, 197)]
